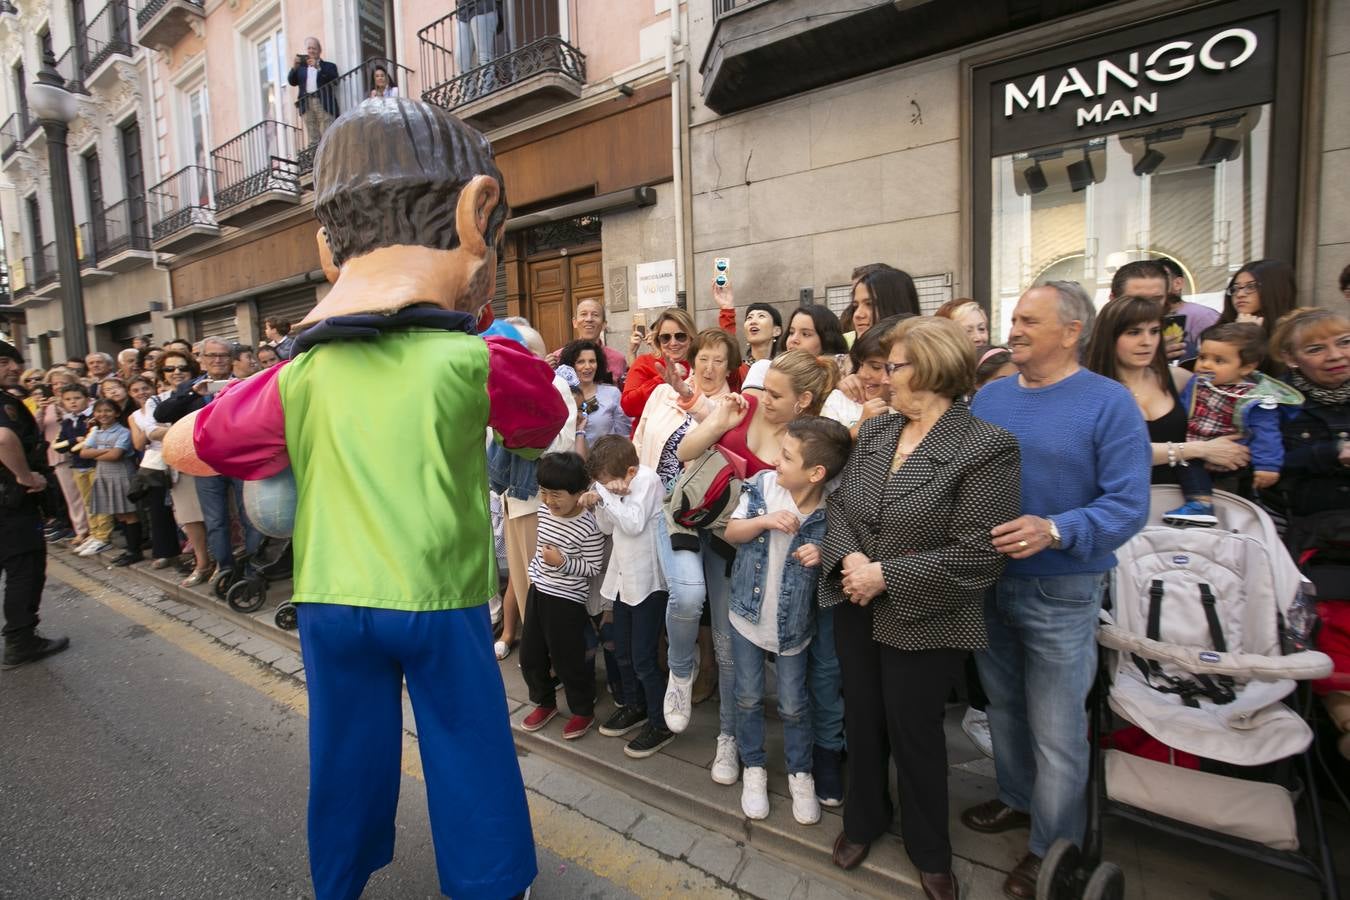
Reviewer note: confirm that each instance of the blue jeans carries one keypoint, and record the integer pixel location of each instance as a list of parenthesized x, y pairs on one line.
[(692, 577), (637, 635), (794, 706), (213, 494), (827, 685), (1039, 667)]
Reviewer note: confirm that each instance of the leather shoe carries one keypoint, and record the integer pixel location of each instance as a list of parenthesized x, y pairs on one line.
[(848, 855), (939, 886), (994, 816), (1021, 881)]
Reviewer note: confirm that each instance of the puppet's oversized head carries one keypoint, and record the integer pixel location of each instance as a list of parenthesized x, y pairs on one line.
[(405, 185)]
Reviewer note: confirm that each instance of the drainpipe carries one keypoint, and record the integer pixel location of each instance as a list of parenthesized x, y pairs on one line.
[(676, 146)]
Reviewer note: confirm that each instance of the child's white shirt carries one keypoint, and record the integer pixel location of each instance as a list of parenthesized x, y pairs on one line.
[(634, 571)]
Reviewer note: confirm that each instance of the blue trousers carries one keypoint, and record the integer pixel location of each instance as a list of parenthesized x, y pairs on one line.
[(1039, 667), (794, 705), (356, 659), (637, 641), (214, 495), (692, 578), (827, 685)]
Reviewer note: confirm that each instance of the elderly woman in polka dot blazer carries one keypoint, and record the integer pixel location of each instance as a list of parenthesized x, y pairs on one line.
[(907, 561)]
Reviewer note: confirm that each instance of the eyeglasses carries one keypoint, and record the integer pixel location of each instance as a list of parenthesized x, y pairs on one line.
[(178, 368), (32, 378), (678, 337), (1248, 288), (892, 368), (216, 355)]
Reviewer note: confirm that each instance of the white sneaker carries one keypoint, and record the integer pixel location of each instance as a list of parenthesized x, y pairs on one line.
[(679, 700), (755, 793), (976, 726), (92, 547), (805, 806), (726, 764)]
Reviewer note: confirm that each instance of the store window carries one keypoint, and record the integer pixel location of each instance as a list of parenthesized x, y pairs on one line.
[(1178, 137)]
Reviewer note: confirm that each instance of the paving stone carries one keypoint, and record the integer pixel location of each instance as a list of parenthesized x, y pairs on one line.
[(234, 637), (761, 878), (175, 609), (288, 663), (533, 769), (563, 788), (610, 808), (812, 889), (261, 649), (218, 629), (718, 856), (208, 620), (665, 835), (190, 614)]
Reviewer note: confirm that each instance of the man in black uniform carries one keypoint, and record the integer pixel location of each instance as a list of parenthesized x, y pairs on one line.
[(23, 552)]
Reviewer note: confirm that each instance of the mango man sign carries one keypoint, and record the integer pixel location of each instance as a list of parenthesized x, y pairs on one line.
[(1173, 77)]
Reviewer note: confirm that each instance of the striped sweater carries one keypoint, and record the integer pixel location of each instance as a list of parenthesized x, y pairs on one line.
[(582, 546)]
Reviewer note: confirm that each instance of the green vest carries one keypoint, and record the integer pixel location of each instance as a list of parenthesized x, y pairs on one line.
[(387, 439)]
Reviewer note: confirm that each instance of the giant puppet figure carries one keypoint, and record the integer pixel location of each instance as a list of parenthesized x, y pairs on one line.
[(381, 414)]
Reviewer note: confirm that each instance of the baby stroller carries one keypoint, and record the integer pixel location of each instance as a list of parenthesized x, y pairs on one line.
[(1205, 641), (244, 587)]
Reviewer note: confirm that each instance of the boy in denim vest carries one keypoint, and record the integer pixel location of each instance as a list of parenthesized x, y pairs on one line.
[(778, 527)]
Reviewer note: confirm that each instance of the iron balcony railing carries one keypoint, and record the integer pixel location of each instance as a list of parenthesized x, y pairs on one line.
[(70, 68), (261, 159), (470, 54), (315, 110), (124, 226), (722, 7), (18, 277), (11, 136), (45, 268), (149, 9), (107, 33), (184, 199), (86, 245)]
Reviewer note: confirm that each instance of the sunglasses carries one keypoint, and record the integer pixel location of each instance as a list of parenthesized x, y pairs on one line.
[(678, 337), (177, 368)]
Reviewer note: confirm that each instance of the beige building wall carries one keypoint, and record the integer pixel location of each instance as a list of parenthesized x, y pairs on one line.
[(1331, 250), (630, 237)]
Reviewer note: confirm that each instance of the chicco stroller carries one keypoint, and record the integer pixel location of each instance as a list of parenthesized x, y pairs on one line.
[(1204, 651)]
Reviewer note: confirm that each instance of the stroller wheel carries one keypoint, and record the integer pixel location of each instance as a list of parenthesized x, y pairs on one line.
[(1060, 877), (1107, 883), (224, 581), (286, 618), (246, 595)]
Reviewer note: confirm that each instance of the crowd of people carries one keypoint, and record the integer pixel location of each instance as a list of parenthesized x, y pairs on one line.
[(893, 511), (104, 418), (884, 504)]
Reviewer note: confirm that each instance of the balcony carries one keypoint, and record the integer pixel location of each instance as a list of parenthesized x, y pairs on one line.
[(765, 50), (257, 173), (121, 236), (89, 236), (182, 212), (163, 23), (46, 280), (337, 97), (19, 284), (69, 68), (490, 77), (11, 137), (106, 37)]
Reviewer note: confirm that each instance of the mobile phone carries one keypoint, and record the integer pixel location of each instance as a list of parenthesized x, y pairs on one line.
[(722, 265), (215, 387), (1174, 327), (639, 325)]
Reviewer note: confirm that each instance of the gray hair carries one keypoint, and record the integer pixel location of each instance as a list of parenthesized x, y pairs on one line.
[(317, 42), (129, 354), (1074, 306), (215, 340), (107, 358)]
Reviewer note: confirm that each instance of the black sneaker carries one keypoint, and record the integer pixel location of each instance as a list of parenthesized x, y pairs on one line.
[(623, 720), (648, 742), (127, 559), (30, 648), (827, 774)]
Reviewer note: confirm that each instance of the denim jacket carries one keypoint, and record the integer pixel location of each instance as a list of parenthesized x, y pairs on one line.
[(796, 590), (510, 474)]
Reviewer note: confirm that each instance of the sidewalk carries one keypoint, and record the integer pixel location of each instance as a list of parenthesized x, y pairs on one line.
[(677, 781)]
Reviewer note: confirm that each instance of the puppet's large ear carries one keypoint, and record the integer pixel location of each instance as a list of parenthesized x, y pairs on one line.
[(476, 202), (330, 271)]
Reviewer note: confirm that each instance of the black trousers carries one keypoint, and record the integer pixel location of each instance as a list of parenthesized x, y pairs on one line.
[(163, 529), (23, 561), (554, 637), (896, 703)]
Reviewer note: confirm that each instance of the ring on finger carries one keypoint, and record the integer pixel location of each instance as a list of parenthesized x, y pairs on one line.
[(1022, 544)]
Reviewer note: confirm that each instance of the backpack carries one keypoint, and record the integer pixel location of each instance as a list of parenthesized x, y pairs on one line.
[(705, 494)]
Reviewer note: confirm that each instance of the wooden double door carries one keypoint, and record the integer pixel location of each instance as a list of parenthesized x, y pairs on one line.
[(554, 288)]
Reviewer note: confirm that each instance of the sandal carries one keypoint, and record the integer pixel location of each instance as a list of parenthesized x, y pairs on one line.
[(503, 649), (197, 577)]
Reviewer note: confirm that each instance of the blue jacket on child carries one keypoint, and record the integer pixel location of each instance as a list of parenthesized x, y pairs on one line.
[(796, 590), (1257, 417)]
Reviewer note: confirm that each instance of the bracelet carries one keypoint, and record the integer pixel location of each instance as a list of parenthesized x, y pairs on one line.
[(1174, 457)]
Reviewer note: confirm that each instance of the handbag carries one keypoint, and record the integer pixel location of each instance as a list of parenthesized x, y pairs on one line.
[(145, 480), (703, 496)]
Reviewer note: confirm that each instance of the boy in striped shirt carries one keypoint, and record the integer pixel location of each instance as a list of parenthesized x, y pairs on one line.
[(569, 552)]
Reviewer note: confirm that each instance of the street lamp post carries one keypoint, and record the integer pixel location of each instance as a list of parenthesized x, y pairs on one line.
[(54, 107)]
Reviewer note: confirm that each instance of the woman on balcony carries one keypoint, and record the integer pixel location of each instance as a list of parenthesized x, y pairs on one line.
[(382, 84)]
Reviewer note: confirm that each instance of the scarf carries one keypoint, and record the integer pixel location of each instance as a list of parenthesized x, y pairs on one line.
[(1328, 396)]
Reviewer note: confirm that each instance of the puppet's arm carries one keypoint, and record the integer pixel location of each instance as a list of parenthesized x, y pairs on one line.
[(523, 408)]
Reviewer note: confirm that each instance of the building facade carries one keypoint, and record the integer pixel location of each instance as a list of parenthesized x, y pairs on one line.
[(111, 154), (987, 147)]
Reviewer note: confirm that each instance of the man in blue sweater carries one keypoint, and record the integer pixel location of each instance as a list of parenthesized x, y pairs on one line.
[(1085, 491)]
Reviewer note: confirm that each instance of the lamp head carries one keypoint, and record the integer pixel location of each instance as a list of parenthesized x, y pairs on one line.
[(47, 95)]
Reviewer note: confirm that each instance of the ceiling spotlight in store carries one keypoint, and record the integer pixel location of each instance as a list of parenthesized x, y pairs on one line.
[(1219, 149), (1080, 173), (1035, 178), (1149, 162)]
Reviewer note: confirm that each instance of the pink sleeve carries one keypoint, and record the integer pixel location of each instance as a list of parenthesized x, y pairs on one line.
[(242, 432), (523, 407)]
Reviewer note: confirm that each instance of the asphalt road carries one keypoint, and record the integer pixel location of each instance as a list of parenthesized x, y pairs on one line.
[(146, 763)]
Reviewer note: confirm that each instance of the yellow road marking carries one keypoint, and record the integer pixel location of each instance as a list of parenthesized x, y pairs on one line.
[(558, 829)]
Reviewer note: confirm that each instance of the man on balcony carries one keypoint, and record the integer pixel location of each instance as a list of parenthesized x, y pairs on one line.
[(317, 102), (479, 22)]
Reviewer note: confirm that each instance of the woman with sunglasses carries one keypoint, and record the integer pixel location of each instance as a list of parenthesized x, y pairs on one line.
[(1262, 292), (671, 336), (175, 368), (31, 381), (599, 400)]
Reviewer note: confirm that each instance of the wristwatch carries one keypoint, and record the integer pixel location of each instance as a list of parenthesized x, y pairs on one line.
[(1055, 541)]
